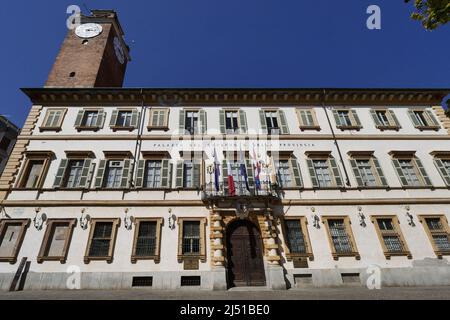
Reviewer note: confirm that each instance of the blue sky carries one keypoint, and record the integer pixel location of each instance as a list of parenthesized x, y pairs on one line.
[(234, 43)]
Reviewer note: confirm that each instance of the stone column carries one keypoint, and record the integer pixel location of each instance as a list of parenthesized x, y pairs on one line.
[(219, 280)]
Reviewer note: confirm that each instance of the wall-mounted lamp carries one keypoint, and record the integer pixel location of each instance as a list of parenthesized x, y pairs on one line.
[(84, 220), (410, 217), (128, 220), (39, 221), (172, 220), (362, 217)]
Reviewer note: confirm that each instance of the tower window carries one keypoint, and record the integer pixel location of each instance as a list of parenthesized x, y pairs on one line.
[(85, 42), (72, 74)]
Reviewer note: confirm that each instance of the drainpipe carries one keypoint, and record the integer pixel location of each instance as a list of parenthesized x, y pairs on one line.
[(347, 180)]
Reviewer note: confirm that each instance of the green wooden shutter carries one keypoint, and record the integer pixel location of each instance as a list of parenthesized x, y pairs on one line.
[(222, 121), (262, 119), (423, 172), (179, 174), (197, 167), (113, 120), (355, 117), (225, 177), (400, 173), (312, 173), (413, 118), (336, 118), (155, 118), (250, 175), (336, 172), (134, 118), (181, 121), (85, 174), (100, 119), (357, 173), (375, 118), (296, 172), (79, 118), (391, 115), (100, 174), (242, 122), (126, 173), (380, 173), (60, 173), (432, 118), (203, 120), (166, 174), (442, 170), (283, 122), (140, 173)]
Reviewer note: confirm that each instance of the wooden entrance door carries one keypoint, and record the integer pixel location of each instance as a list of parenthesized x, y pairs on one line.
[(245, 257)]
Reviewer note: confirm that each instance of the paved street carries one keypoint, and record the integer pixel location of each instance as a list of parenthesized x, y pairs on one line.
[(349, 293)]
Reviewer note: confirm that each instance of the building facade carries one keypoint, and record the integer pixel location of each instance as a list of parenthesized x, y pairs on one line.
[(8, 136), (214, 188)]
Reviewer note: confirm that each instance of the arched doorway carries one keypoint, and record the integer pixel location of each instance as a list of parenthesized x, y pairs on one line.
[(245, 255)]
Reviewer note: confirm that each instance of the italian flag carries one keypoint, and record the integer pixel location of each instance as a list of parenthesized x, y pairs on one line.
[(231, 188)]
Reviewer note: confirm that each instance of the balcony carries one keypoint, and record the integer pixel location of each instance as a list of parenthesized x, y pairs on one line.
[(266, 193)]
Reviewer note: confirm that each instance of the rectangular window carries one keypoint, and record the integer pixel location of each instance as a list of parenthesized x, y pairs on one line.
[(192, 122), (53, 119), (295, 237), (366, 171), (56, 241), (153, 174), (423, 119), (159, 119), (409, 172), (191, 237), (446, 164), (101, 240), (382, 117), (323, 173), (90, 119), (114, 173), (272, 122), (344, 118), (307, 119), (124, 119), (340, 236), (146, 245), (33, 174), (390, 235), (73, 173), (12, 232), (438, 233), (284, 173), (191, 174), (231, 122)]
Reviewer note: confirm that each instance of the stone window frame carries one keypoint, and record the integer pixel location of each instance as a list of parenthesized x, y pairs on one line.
[(46, 157), (25, 223), (202, 255), (304, 225), (98, 126), (157, 256), (141, 167), (394, 124), (368, 155), (46, 242), (109, 258), (292, 160), (411, 155), (303, 126), (115, 113), (397, 232), (57, 128), (354, 119), (446, 229), (165, 125), (348, 230), (430, 118), (241, 119), (281, 119), (438, 157), (202, 126), (327, 156)]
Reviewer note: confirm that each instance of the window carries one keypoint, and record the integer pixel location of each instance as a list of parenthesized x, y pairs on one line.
[(124, 119), (55, 245), (146, 239), (382, 118), (192, 121), (438, 232), (189, 174), (284, 173), (385, 119), (288, 173), (273, 122), (423, 119), (34, 170), (33, 174), (367, 175), (340, 236), (191, 238), (159, 119), (391, 238), (12, 232), (101, 240), (407, 167), (346, 119), (232, 121), (323, 173), (4, 143), (114, 173), (443, 166), (367, 170), (307, 119), (153, 174), (410, 170), (90, 119), (323, 170), (74, 172), (53, 119), (297, 238)]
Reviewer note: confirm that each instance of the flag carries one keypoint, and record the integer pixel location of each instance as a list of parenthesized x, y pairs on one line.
[(243, 169), (231, 188), (257, 169), (272, 172), (216, 171)]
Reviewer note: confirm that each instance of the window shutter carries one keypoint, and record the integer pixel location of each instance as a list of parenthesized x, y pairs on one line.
[(85, 174), (79, 118), (197, 167), (100, 119), (296, 172), (375, 118), (134, 118), (182, 122), (355, 117), (49, 118), (242, 121), (179, 174), (166, 174), (203, 125), (222, 121), (443, 171), (423, 172), (432, 119), (356, 172), (413, 118), (60, 173), (336, 172), (164, 117), (140, 172), (225, 177), (393, 120), (114, 115), (380, 173), (250, 175), (100, 174), (262, 119), (336, 118), (312, 173), (155, 118), (400, 174), (301, 117), (126, 173), (283, 122)]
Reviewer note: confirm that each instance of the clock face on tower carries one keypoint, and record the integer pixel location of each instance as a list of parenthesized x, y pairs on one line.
[(119, 50), (88, 30)]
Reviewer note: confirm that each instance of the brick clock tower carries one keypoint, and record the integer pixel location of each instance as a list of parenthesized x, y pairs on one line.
[(92, 55)]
